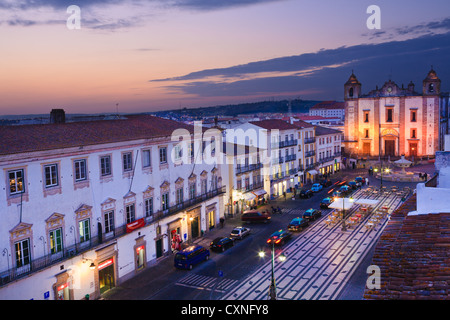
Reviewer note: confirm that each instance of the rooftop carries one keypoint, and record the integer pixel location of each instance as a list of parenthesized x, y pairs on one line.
[(40, 137), (413, 255)]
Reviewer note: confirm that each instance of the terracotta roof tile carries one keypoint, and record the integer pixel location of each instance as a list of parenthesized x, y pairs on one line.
[(413, 254), (28, 138)]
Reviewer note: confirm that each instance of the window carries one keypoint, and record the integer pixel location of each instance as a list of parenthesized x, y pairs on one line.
[(413, 116), (22, 249), (80, 169), (127, 161), (109, 221), (178, 152), (148, 204), (146, 159), (204, 186), (105, 165), (130, 212), (56, 244), (192, 191), (51, 175), (366, 131), (84, 230), (413, 133), (165, 201), (366, 116), (16, 185), (389, 115), (179, 196), (163, 155)]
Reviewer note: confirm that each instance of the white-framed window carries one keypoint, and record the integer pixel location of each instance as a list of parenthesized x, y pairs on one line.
[(163, 155), (130, 212), (148, 206), (192, 191), (127, 161), (16, 181), (22, 250), (146, 159), (109, 221), (56, 241), (51, 175), (84, 230), (80, 169), (179, 195), (105, 165), (165, 201)]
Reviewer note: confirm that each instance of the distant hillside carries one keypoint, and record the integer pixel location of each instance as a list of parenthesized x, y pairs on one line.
[(297, 106)]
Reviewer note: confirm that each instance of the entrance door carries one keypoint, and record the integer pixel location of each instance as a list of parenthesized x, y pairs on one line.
[(194, 228), (106, 276), (159, 248), (389, 147), (413, 149), (366, 148)]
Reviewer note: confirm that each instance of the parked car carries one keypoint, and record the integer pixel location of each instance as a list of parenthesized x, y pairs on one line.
[(344, 190), (188, 257), (239, 232), (337, 194), (326, 202), (298, 224), (312, 214), (359, 179), (306, 193), (316, 187), (353, 185), (254, 216), (221, 244), (279, 237), (326, 183)]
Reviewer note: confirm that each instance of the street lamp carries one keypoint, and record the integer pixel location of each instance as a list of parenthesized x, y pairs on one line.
[(273, 288), (381, 174)]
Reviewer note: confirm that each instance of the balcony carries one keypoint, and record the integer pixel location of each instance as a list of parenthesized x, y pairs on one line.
[(291, 157), (78, 248), (310, 153), (250, 187), (251, 167), (310, 140), (284, 144)]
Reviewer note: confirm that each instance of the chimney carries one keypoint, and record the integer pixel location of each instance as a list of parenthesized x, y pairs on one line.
[(57, 116)]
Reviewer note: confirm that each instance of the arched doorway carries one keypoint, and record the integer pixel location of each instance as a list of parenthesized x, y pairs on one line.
[(389, 143)]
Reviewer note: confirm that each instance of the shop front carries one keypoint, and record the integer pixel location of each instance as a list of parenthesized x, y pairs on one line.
[(106, 277)]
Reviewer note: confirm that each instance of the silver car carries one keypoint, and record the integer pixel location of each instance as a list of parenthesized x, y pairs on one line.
[(239, 232)]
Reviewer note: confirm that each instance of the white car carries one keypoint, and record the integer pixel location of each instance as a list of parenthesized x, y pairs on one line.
[(239, 232), (316, 187)]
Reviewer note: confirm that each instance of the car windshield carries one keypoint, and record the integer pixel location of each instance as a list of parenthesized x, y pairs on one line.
[(296, 221), (179, 256), (235, 231)]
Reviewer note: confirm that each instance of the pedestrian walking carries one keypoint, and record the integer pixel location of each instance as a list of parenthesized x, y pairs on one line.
[(367, 181)]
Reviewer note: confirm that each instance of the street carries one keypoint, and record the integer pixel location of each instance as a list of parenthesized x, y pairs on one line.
[(322, 262)]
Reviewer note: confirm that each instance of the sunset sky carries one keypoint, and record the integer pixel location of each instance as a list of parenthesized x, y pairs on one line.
[(164, 54)]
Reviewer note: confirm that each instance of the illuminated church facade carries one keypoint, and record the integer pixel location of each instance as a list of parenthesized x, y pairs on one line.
[(392, 121)]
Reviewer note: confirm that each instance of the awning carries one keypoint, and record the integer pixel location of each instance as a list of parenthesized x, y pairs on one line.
[(312, 172), (339, 205), (249, 196), (259, 192), (369, 202)]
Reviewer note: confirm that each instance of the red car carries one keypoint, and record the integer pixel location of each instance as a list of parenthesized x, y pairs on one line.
[(254, 216)]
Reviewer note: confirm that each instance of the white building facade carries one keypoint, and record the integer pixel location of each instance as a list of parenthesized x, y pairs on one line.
[(88, 205)]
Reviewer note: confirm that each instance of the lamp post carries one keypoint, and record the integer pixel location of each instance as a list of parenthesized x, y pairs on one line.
[(272, 287), (381, 175)]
